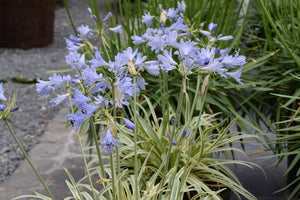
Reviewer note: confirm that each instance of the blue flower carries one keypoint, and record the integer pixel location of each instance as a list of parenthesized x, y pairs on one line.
[(225, 38), (138, 40), (186, 133), (230, 61), (2, 107), (60, 99), (171, 38), (73, 43), (140, 83), (98, 61), (84, 31), (169, 135), (123, 90), (129, 124), (181, 6), (147, 19), (76, 61), (89, 10), (2, 97), (85, 112), (186, 48), (172, 120), (43, 87), (100, 101), (117, 29), (236, 75), (109, 142), (157, 43), (167, 62), (90, 76), (78, 98), (212, 27), (107, 17), (172, 13), (179, 25), (14, 109), (205, 56), (152, 67)]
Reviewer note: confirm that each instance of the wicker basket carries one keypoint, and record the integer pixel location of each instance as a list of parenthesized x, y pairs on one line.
[(26, 23)]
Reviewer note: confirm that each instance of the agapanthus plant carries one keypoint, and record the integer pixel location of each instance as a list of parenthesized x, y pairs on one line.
[(105, 89)]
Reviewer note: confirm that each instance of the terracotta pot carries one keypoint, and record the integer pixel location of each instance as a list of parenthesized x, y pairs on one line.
[(26, 23)]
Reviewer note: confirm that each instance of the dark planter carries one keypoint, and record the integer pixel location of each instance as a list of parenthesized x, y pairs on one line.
[(26, 23)]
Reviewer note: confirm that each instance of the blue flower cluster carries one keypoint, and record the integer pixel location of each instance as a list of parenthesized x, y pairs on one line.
[(172, 43), (100, 83)]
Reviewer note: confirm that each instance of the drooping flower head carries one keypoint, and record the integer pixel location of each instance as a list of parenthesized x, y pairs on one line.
[(109, 142), (2, 97)]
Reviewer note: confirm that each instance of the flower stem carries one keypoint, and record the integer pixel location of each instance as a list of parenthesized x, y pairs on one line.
[(92, 126), (86, 166), (113, 174), (28, 159), (136, 167)]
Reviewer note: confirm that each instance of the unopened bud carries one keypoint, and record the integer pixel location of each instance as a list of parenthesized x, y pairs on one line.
[(15, 108), (117, 93), (172, 121), (2, 107), (163, 17), (131, 68), (129, 124)]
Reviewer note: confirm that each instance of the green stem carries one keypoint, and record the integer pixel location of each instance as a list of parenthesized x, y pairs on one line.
[(92, 126), (195, 98), (28, 159), (117, 149), (69, 16), (86, 166), (136, 167), (113, 174)]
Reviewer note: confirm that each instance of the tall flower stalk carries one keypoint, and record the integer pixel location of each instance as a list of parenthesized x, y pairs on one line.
[(5, 112)]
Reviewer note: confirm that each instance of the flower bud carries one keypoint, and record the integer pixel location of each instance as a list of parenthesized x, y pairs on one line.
[(131, 68), (186, 133), (169, 135), (129, 124), (15, 108), (2, 107), (163, 17), (172, 120)]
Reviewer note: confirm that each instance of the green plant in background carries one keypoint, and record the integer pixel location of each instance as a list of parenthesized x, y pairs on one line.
[(288, 137), (274, 27)]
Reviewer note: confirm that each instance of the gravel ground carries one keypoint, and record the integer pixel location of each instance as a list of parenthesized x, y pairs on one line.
[(35, 112)]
